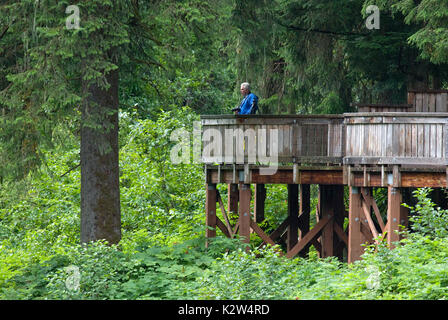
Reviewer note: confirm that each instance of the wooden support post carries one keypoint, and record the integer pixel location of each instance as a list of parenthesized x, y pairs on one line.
[(393, 215), (331, 204), (304, 211), (355, 236), (293, 214), (227, 228), (339, 212), (232, 198), (210, 212), (260, 196), (244, 212), (326, 210)]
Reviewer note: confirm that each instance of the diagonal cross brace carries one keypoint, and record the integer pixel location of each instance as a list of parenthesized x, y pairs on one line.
[(309, 236)]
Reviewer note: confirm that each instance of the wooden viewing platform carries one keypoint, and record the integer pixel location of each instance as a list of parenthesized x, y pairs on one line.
[(393, 150)]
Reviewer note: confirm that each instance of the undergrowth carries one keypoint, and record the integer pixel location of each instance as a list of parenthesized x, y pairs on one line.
[(162, 254)]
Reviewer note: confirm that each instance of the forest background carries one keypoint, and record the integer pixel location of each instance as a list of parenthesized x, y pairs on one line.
[(102, 100)]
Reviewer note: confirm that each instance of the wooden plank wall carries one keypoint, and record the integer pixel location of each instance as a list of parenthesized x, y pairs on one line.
[(403, 138), (318, 139), (418, 101), (428, 101), (394, 139), (385, 108)]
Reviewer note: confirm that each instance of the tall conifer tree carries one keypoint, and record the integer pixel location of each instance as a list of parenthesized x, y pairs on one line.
[(57, 73)]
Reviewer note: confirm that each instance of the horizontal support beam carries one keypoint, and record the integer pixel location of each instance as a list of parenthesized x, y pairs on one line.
[(395, 160), (281, 177), (409, 179)]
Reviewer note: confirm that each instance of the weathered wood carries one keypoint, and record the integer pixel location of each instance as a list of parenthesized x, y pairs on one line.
[(439, 104), (411, 177), (210, 211), (260, 196), (326, 209), (367, 214), (341, 233), (232, 198), (408, 179), (419, 102), (261, 233), (293, 213), (411, 101), (296, 174), (223, 228), (366, 232), (314, 138), (308, 237), (372, 107), (331, 203), (368, 198), (244, 212), (304, 214), (235, 228), (280, 229), (307, 177), (224, 213), (393, 215), (395, 138), (355, 236)]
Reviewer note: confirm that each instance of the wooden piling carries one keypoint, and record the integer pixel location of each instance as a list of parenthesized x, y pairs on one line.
[(293, 214), (244, 212), (232, 198), (355, 236), (210, 212), (393, 215), (260, 196), (304, 210)]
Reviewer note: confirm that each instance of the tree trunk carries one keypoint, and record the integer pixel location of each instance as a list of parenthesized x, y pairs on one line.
[(100, 191)]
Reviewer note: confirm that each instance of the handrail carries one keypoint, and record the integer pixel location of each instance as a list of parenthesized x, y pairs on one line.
[(383, 138)]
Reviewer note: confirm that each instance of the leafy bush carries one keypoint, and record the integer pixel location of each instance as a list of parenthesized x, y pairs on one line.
[(100, 271), (260, 274), (162, 253), (427, 219), (153, 201)]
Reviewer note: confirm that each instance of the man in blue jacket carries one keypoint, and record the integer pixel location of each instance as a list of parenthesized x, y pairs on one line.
[(249, 104)]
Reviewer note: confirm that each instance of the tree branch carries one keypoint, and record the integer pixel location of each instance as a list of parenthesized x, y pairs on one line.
[(4, 32), (7, 28), (70, 170)]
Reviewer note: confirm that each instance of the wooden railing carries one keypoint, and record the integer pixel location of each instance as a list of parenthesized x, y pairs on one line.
[(418, 101), (396, 138), (389, 138), (428, 101), (273, 138)]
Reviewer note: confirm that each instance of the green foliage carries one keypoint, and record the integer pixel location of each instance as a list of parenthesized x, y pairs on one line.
[(427, 219), (38, 252), (431, 38), (104, 272), (153, 200), (414, 270), (177, 59)]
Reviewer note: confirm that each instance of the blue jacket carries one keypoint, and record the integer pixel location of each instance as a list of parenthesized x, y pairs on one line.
[(247, 103)]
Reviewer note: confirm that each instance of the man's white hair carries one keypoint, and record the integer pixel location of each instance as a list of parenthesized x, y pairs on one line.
[(245, 85)]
